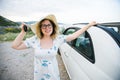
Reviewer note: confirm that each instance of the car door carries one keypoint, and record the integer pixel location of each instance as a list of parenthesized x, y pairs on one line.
[(65, 50), (74, 71), (80, 60), (84, 61), (81, 57)]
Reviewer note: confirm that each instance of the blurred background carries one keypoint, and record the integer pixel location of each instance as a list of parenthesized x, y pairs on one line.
[(15, 66)]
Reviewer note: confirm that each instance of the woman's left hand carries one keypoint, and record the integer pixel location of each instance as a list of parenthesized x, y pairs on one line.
[(92, 23)]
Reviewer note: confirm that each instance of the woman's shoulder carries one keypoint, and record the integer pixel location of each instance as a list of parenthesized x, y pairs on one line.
[(60, 36), (32, 38), (31, 41), (60, 39)]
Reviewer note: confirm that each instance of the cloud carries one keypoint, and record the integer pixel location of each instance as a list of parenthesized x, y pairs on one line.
[(65, 10)]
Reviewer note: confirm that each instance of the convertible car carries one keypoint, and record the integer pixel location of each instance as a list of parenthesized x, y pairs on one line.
[(94, 55)]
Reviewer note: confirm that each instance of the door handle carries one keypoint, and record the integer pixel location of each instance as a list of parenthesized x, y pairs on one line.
[(66, 54)]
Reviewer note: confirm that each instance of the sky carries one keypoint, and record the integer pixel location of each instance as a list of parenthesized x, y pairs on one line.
[(66, 11)]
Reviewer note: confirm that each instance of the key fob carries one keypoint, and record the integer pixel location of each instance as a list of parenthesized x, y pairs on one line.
[(25, 28)]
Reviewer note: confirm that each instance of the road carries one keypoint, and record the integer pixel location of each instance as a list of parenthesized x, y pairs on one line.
[(18, 64)]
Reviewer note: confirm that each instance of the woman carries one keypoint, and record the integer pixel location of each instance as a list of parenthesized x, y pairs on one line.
[(46, 43)]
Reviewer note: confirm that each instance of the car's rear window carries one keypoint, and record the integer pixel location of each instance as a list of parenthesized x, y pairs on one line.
[(112, 33)]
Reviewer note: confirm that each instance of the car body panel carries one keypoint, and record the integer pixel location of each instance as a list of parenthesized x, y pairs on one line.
[(70, 68), (107, 57)]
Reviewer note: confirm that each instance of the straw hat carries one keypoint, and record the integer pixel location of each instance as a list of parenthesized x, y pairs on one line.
[(50, 17)]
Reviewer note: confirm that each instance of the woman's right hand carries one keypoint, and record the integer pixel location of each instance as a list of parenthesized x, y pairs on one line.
[(23, 27), (18, 42)]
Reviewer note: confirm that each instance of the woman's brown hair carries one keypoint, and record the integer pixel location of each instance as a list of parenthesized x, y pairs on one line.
[(39, 31)]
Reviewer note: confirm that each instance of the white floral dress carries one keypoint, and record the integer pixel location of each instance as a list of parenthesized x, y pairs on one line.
[(45, 62)]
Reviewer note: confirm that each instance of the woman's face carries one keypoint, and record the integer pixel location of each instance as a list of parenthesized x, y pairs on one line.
[(46, 28)]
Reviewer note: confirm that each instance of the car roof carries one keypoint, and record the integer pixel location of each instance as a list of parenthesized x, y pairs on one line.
[(108, 24)]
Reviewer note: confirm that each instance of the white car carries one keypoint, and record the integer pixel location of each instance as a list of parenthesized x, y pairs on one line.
[(95, 55)]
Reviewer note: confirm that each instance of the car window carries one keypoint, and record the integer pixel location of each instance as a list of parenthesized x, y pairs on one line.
[(115, 35), (69, 31), (83, 45)]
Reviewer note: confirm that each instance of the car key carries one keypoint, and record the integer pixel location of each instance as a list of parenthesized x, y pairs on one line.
[(25, 28)]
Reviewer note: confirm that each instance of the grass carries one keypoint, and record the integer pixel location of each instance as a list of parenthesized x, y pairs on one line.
[(11, 36)]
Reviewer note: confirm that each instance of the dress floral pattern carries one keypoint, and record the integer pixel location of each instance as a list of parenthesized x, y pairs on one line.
[(45, 62)]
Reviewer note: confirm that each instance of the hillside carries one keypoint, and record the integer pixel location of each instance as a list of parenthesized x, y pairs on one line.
[(6, 22)]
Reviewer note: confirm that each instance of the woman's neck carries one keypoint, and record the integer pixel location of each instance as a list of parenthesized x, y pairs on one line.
[(46, 38), (46, 42)]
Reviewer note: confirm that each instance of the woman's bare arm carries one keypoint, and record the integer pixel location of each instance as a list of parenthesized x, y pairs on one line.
[(79, 32), (18, 42)]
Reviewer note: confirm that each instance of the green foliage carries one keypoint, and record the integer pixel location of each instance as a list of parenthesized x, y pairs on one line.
[(11, 36), (6, 22), (13, 30), (29, 34), (11, 33), (10, 29), (8, 36)]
